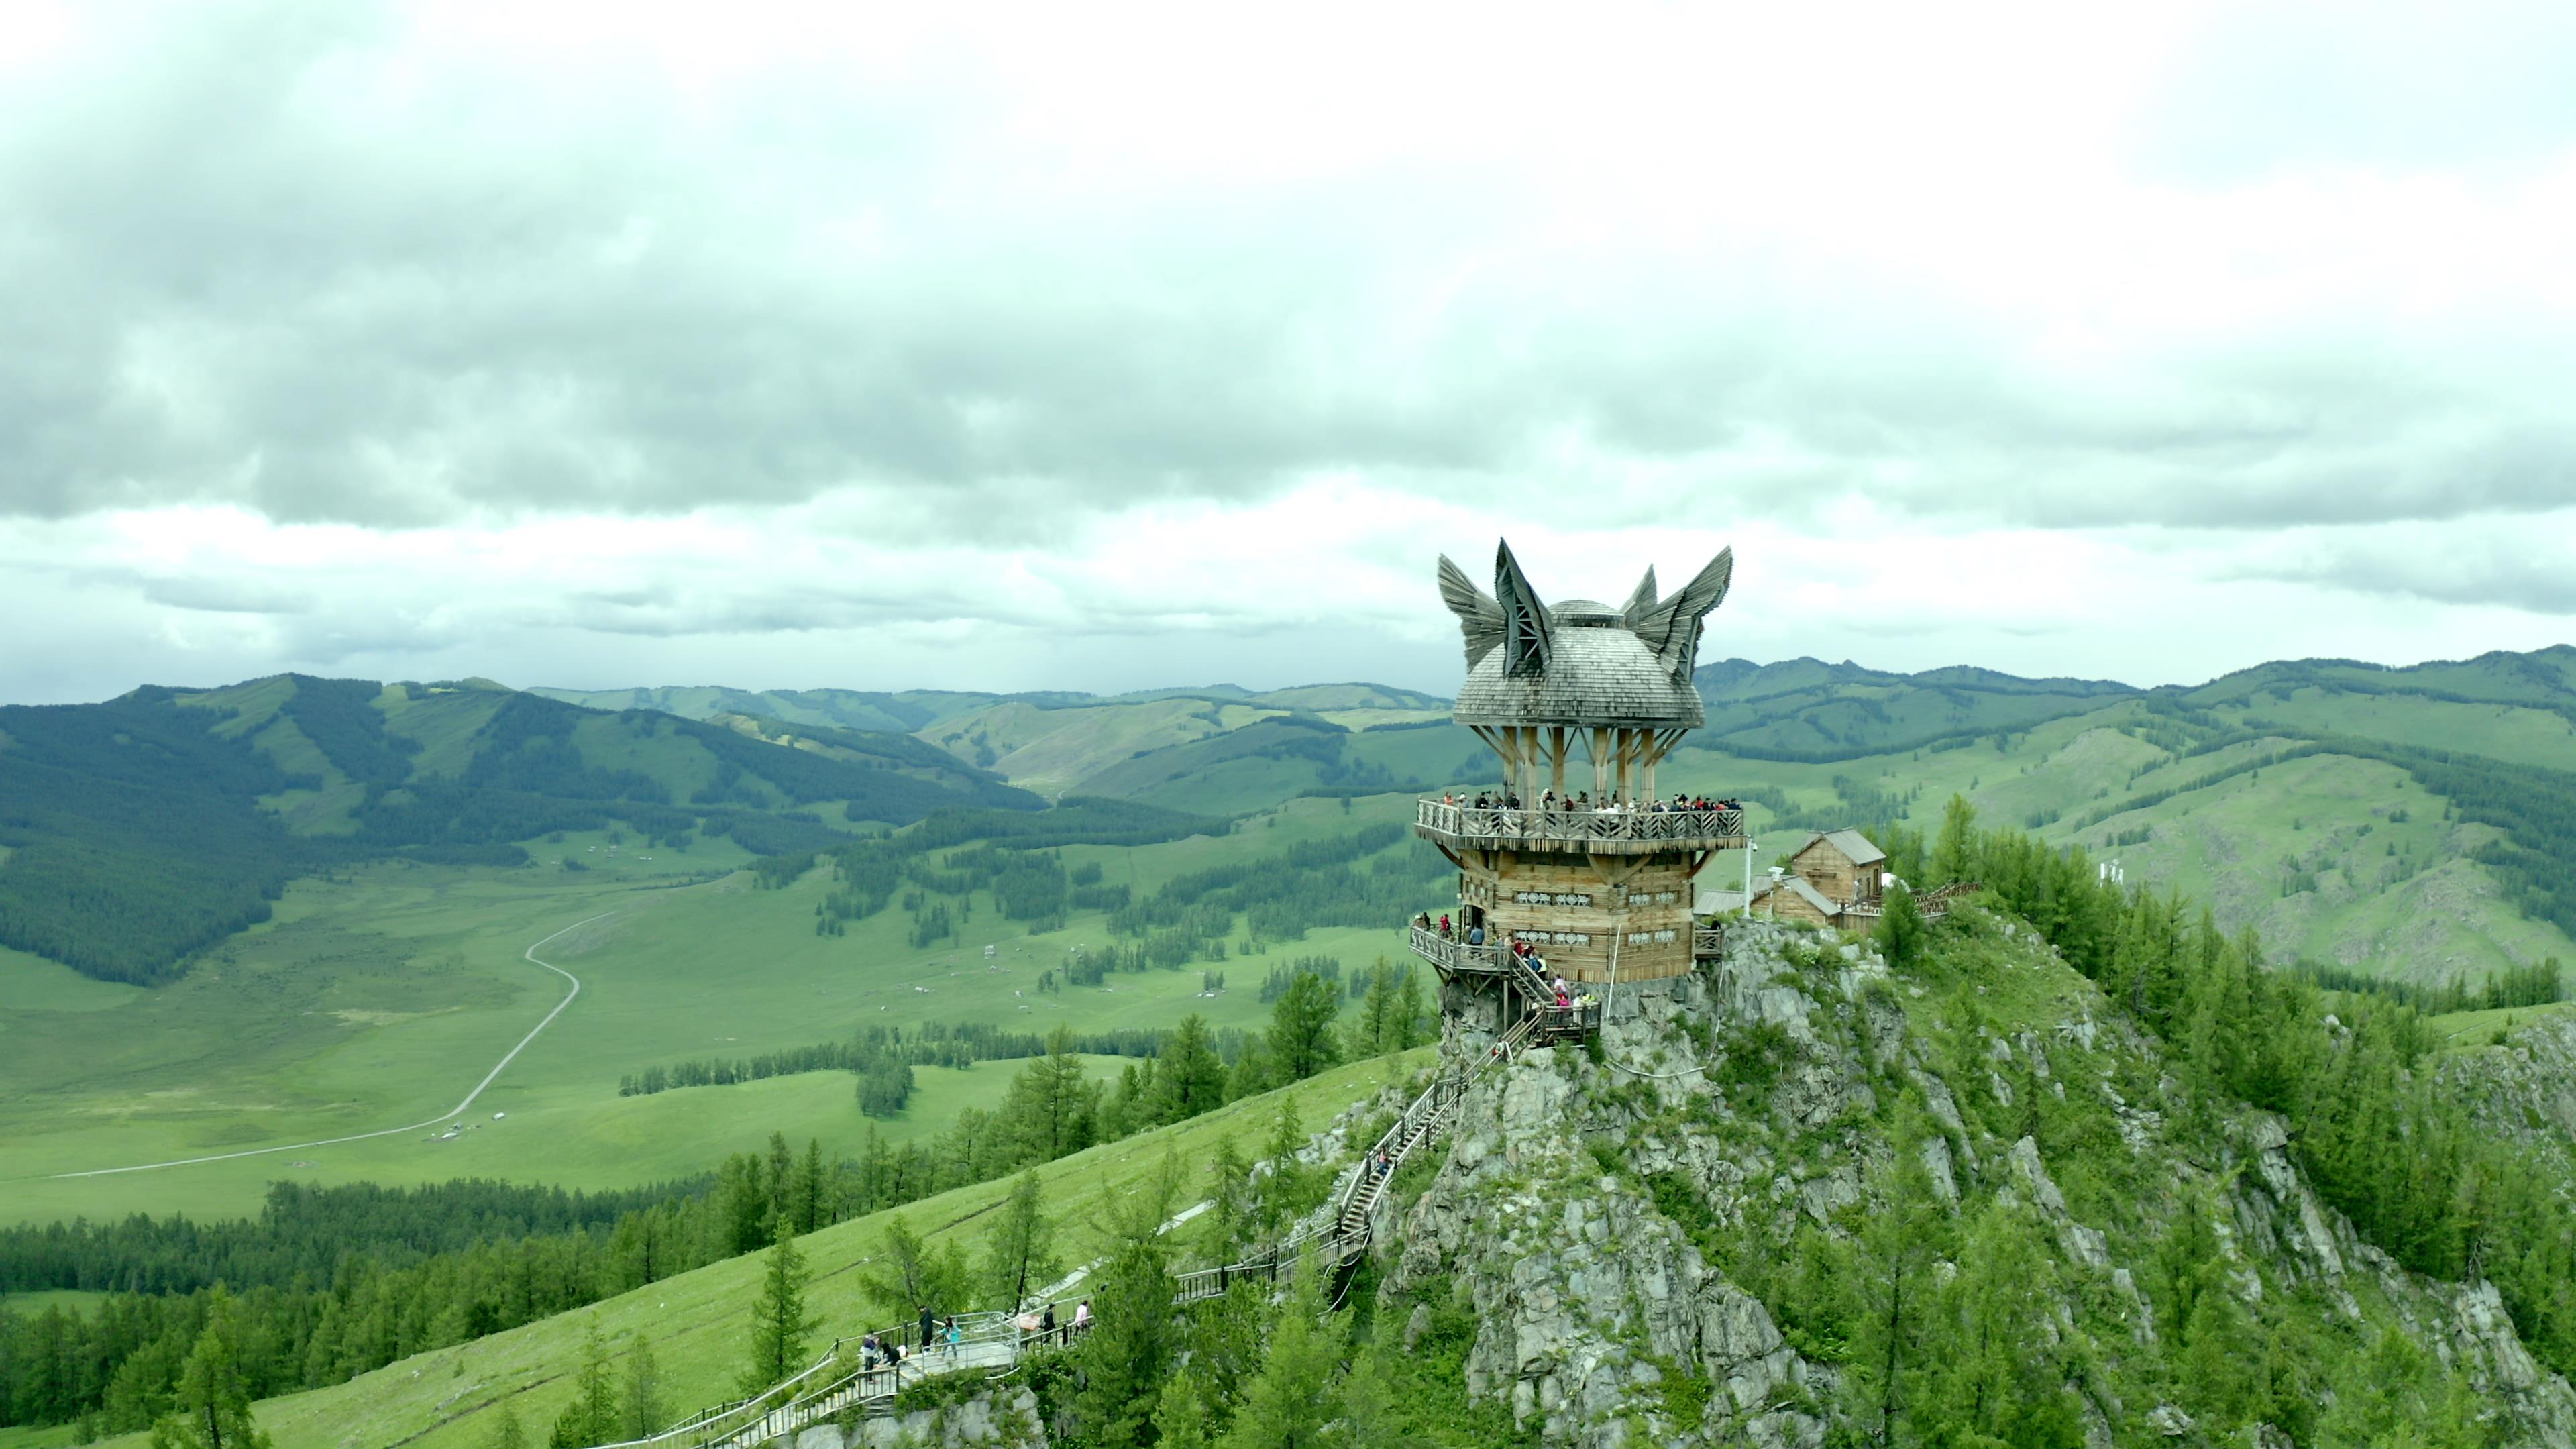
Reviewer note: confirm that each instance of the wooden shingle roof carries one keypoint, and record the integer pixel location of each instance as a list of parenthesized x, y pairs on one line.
[(1855, 846), (1580, 663)]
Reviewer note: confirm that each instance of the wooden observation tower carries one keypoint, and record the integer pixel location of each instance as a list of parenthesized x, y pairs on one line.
[(1576, 855)]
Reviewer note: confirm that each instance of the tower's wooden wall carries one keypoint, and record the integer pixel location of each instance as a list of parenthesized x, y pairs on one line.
[(1573, 911)]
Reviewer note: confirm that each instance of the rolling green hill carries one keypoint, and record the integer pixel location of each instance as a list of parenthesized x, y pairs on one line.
[(151, 826)]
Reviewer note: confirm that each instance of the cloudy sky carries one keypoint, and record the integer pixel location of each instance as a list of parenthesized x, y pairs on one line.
[(1098, 347)]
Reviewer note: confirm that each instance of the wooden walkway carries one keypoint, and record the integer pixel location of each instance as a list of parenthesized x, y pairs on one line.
[(992, 1343)]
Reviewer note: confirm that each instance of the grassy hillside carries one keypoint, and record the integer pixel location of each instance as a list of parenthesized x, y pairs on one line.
[(135, 832), (697, 1322), (378, 995)]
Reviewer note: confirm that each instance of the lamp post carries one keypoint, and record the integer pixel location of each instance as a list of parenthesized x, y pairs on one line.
[(1749, 848)]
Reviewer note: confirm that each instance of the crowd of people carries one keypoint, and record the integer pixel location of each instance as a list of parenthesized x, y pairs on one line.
[(946, 1337), (1551, 802), (1521, 950)]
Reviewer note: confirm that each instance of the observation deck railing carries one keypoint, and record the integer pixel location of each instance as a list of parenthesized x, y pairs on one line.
[(1566, 827), (1459, 958)]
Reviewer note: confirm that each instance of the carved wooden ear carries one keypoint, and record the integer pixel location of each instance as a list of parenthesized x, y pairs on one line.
[(1526, 641)]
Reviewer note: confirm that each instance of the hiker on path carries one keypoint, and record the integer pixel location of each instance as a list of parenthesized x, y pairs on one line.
[(929, 1327)]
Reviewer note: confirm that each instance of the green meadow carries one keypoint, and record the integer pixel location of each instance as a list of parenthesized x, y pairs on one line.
[(378, 997)]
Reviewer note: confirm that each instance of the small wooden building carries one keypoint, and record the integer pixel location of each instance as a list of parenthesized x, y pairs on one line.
[(1842, 865)]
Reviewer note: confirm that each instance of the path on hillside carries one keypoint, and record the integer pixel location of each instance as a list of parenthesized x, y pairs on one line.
[(456, 1111)]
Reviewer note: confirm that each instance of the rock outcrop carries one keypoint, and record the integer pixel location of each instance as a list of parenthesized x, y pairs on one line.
[(1590, 1197)]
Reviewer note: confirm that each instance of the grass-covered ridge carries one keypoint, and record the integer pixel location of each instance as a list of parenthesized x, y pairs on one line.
[(697, 1322)]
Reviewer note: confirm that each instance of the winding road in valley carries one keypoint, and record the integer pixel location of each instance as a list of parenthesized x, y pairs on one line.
[(458, 1110)]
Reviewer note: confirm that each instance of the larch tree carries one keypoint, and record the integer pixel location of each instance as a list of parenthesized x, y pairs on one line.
[(645, 1408), (1190, 1078), (1288, 1403), (1129, 1350), (780, 1328), (1300, 1039), (1019, 1255), (210, 1406), (1956, 847)]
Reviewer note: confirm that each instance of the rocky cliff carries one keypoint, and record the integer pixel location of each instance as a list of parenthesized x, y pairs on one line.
[(1801, 1200)]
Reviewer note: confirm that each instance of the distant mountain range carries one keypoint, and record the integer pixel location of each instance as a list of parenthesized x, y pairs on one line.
[(2419, 820)]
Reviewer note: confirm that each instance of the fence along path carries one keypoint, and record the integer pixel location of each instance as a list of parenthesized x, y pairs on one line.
[(994, 1344)]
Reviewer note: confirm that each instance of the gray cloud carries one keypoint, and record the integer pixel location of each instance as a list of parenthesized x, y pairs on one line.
[(287, 260)]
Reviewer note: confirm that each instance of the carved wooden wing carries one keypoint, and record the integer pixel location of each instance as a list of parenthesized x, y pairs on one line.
[(1479, 617), (1672, 628), (1642, 602), (1526, 642)]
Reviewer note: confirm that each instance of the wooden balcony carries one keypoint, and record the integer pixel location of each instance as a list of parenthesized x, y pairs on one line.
[(1588, 832), (1458, 958)]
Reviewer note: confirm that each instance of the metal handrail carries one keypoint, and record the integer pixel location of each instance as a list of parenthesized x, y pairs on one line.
[(1571, 823)]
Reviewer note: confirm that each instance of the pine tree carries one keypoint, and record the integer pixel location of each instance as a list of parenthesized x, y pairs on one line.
[(806, 1208), (508, 1433), (910, 1275), (1286, 1181), (1288, 1403), (1902, 931), (778, 1182), (779, 1326), (1300, 1039), (1902, 1238), (1129, 1350), (645, 1410), (1019, 1255), (210, 1407), (1190, 1078), (1956, 847), (1052, 1105), (1408, 1013), (1375, 1031), (1230, 1189), (1183, 1418), (592, 1416)]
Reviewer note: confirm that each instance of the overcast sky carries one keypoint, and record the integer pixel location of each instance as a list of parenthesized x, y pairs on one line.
[(1090, 347)]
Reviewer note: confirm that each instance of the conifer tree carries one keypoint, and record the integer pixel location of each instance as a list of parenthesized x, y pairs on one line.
[(1376, 1031), (1903, 1237), (1051, 1105), (210, 1407), (1019, 1256), (508, 1433), (1287, 1178), (592, 1416), (1129, 1350), (1288, 1403), (1952, 852), (779, 1325), (1230, 1189), (1408, 1013), (1901, 929), (1190, 1077), (1182, 1416), (645, 1410), (1300, 1040)]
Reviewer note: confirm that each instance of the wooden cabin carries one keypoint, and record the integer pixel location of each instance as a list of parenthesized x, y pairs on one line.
[(1842, 865)]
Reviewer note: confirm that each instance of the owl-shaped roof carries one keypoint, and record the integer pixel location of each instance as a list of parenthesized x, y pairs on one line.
[(1580, 663)]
